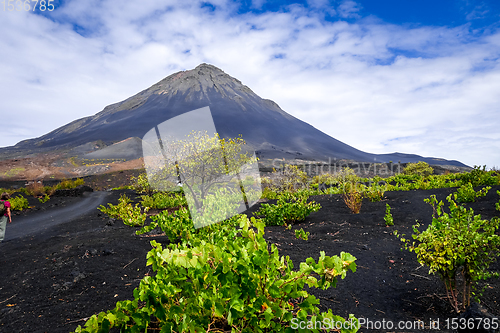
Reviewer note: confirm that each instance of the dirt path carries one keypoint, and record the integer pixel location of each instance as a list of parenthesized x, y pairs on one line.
[(30, 225)]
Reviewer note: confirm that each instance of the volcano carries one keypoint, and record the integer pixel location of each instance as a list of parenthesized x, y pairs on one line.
[(235, 108)]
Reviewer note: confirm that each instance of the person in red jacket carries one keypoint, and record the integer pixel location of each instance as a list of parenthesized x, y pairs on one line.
[(5, 214)]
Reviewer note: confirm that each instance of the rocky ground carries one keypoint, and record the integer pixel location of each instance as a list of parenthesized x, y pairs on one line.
[(53, 280)]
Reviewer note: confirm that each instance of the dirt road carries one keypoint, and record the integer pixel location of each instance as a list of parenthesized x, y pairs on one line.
[(35, 223)]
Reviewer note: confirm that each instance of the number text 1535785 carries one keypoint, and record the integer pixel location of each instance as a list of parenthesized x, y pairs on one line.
[(27, 5)]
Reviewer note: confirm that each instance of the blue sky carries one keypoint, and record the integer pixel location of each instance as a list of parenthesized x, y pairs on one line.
[(407, 76)]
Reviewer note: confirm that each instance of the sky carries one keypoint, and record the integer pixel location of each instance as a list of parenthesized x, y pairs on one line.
[(383, 76)]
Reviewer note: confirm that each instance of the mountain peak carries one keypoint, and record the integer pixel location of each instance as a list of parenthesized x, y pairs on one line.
[(235, 108), (202, 79), (208, 67)]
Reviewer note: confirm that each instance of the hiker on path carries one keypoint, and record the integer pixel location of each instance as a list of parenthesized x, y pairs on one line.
[(4, 214)]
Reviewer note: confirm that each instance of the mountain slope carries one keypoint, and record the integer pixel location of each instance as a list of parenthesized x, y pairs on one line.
[(236, 110)]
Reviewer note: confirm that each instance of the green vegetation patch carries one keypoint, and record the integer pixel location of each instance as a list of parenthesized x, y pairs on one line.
[(229, 280), (290, 208), (457, 243), (19, 203), (13, 172)]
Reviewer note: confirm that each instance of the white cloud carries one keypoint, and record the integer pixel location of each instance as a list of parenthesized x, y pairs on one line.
[(348, 9), (257, 4), (479, 12), (379, 87)]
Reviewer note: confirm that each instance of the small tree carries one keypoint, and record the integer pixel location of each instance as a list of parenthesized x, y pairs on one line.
[(209, 169)]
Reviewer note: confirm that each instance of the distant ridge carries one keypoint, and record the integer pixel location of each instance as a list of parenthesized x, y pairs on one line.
[(236, 110)]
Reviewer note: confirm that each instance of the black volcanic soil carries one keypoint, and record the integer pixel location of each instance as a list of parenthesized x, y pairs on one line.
[(54, 280)]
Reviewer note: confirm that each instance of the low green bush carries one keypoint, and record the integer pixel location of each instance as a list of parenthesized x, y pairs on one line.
[(44, 199), (346, 178), (457, 243), (466, 193), (69, 184), (389, 220), (290, 208), (37, 189), (267, 193), (421, 169), (236, 283), (326, 178), (162, 200), (479, 176), (19, 203), (374, 192), (141, 184), (130, 215), (331, 190), (497, 205), (301, 234), (290, 179), (441, 181), (352, 194), (174, 225)]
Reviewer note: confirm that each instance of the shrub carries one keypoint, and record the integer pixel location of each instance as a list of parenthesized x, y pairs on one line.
[(326, 178), (290, 208), (458, 243), (19, 203), (375, 192), (238, 283), (421, 184), (130, 215), (162, 200), (7, 190), (69, 184), (44, 199), (438, 181), (466, 193), (497, 205), (421, 168), (35, 188), (400, 182), (353, 196), (478, 177), (389, 221), (331, 190), (265, 181), (290, 179), (214, 208), (174, 225), (267, 193), (301, 234), (353, 199), (141, 184), (346, 177)]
